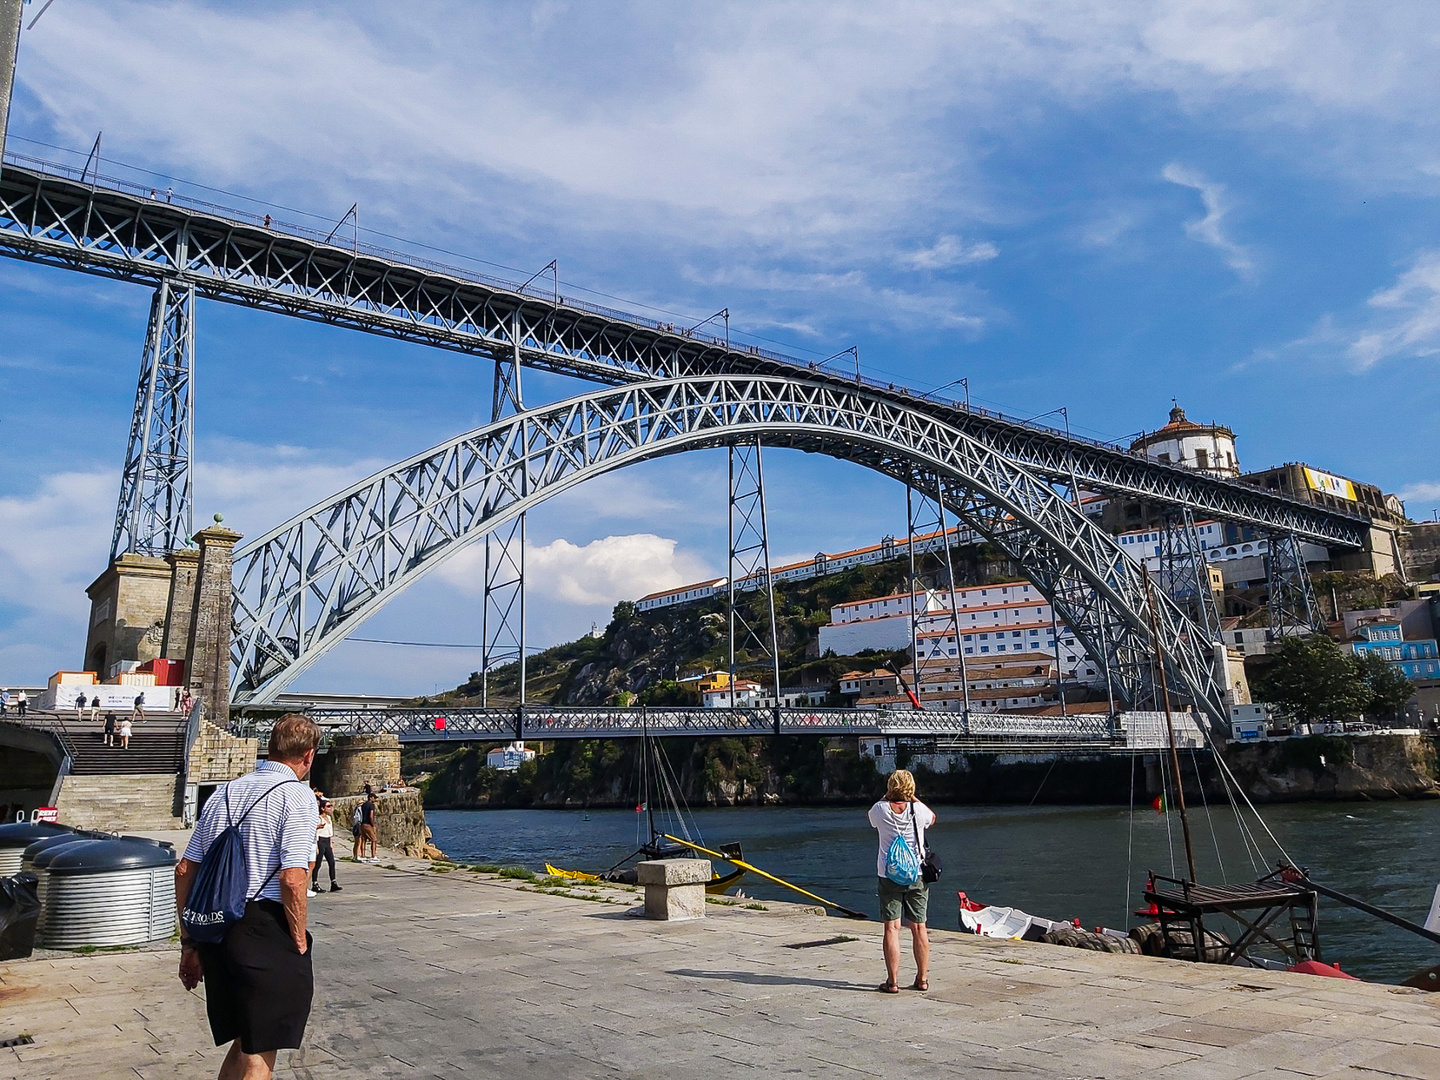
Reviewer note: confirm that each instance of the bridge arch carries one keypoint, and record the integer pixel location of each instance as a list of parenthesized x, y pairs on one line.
[(303, 587)]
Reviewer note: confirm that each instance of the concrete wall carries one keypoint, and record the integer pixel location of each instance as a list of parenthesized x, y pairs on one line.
[(27, 779), (1420, 546), (218, 756), (400, 822)]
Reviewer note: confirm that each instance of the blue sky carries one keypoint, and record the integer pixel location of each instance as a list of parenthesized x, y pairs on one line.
[(1096, 205)]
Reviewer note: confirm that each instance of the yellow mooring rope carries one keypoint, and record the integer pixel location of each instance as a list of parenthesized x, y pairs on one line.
[(769, 877)]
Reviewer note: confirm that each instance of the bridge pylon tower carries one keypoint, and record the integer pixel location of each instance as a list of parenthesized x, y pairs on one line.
[(502, 616), (925, 515), (749, 564), (155, 512), (1291, 603), (1185, 575)]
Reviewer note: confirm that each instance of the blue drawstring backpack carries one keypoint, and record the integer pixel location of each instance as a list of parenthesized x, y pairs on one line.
[(218, 896), (901, 865)]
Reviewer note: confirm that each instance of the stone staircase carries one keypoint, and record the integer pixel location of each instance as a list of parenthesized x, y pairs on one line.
[(126, 802), (156, 746)]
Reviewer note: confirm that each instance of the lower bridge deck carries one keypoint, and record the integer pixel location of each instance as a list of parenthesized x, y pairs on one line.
[(1085, 732)]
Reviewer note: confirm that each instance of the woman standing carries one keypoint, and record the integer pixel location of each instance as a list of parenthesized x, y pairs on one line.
[(325, 847), (901, 819)]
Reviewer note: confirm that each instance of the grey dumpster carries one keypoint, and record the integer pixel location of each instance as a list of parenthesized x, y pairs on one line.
[(18, 835), (31, 853), (106, 892)]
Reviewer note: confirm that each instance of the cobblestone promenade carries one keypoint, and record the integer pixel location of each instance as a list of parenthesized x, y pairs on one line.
[(462, 975)]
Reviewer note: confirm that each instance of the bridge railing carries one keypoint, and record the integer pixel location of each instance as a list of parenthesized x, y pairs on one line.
[(540, 722)]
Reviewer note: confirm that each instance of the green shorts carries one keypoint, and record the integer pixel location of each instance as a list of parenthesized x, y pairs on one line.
[(912, 899)]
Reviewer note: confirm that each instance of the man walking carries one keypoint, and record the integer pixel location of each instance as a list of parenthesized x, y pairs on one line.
[(137, 711), (367, 827), (94, 708), (259, 982)]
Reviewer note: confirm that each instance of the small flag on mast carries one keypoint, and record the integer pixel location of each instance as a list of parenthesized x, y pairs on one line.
[(1158, 803)]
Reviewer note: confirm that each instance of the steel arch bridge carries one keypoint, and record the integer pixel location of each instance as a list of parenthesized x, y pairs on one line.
[(305, 586)]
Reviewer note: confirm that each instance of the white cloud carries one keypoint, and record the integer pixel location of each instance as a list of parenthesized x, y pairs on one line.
[(1427, 492), (56, 538), (1210, 228), (949, 251), (601, 572), (1405, 320)]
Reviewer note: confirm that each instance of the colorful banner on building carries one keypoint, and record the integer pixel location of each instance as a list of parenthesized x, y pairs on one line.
[(1330, 485)]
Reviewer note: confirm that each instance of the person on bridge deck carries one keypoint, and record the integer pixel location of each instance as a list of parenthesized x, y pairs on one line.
[(901, 815), (109, 729), (21, 700), (259, 982)]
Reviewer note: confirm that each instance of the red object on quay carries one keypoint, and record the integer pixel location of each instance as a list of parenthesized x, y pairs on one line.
[(166, 672)]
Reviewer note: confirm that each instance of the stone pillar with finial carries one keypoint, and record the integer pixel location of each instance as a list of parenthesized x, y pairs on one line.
[(209, 647)]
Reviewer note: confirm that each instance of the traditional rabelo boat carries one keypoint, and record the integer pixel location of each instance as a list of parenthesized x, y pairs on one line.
[(1271, 922), (657, 781)]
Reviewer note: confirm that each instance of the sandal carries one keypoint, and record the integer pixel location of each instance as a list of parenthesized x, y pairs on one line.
[(888, 988), (920, 984)]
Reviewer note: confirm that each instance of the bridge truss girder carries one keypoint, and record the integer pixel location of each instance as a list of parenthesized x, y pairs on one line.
[(303, 587), (114, 229)]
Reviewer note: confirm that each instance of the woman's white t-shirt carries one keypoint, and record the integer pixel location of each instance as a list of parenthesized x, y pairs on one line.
[(890, 825), (327, 826)]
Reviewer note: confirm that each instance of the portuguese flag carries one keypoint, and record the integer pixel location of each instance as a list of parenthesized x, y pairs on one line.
[(1158, 803)]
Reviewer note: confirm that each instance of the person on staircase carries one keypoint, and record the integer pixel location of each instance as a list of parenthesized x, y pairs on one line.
[(95, 707), (109, 729), (137, 711), (126, 728)]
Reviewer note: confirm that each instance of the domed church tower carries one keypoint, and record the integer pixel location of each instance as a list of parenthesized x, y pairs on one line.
[(1204, 447)]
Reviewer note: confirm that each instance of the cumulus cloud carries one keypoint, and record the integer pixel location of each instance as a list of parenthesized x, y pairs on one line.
[(602, 572), (948, 252), (1404, 319), (56, 538), (1210, 229)]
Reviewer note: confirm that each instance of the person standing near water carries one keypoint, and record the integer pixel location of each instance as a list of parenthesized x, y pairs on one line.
[(901, 816)]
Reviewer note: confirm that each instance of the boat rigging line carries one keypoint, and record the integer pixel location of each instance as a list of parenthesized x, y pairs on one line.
[(769, 877), (1170, 725)]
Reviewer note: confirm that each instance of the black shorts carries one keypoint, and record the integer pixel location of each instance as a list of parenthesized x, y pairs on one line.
[(257, 986)]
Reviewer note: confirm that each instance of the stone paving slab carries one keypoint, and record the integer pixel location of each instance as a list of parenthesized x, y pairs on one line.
[(461, 975)]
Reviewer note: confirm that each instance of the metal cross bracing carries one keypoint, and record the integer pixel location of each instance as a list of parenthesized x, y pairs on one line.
[(154, 515), (502, 613), (1184, 574), (925, 515), (122, 230), (1292, 605), (303, 587), (750, 561), (539, 722)]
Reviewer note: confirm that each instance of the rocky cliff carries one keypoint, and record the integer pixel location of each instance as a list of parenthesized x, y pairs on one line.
[(1333, 767)]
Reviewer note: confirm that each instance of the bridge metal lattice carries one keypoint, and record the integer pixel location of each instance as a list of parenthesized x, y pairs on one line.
[(1185, 575), (1292, 605), (123, 230), (749, 563), (925, 515), (303, 587), (155, 511), (502, 614)]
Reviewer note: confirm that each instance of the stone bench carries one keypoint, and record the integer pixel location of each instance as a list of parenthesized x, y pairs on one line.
[(674, 888)]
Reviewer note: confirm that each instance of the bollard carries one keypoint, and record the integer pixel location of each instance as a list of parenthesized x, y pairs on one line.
[(674, 888)]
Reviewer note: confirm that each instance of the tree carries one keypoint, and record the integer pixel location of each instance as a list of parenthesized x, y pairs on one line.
[(623, 613), (1390, 691), (1311, 680)]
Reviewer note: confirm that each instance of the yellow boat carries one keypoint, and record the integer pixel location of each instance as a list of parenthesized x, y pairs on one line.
[(717, 885)]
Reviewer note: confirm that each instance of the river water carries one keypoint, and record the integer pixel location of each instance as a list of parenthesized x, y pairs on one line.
[(1059, 862)]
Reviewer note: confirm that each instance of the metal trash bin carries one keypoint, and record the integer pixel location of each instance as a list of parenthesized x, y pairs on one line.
[(75, 836), (16, 836), (106, 892)]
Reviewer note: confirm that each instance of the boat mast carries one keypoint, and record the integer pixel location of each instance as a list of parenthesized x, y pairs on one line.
[(645, 770), (1169, 723)]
